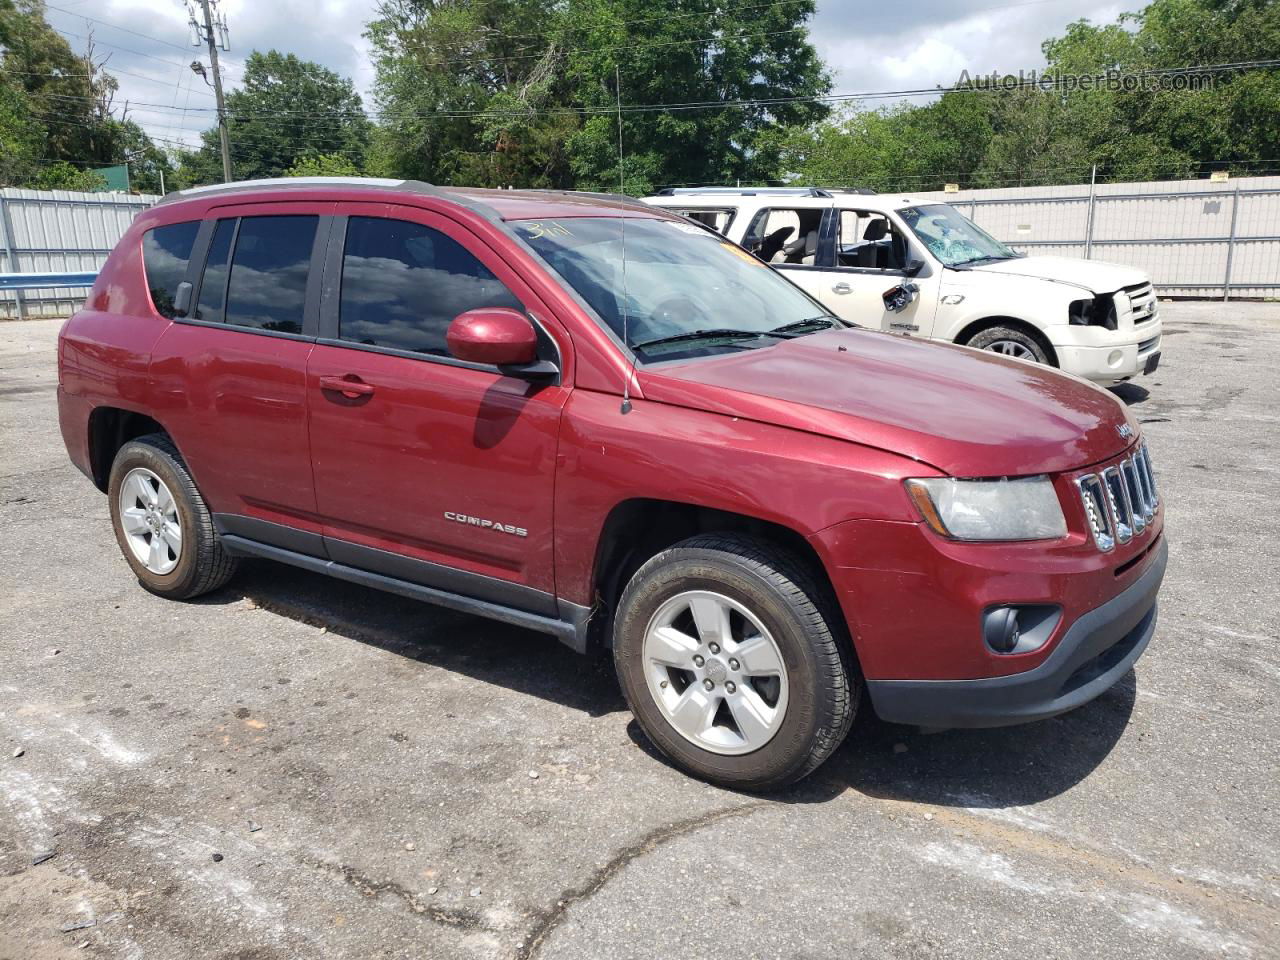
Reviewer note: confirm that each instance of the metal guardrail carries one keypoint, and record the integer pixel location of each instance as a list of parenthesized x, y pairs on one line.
[(40, 281)]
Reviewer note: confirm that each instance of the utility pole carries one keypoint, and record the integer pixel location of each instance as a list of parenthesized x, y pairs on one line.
[(206, 33)]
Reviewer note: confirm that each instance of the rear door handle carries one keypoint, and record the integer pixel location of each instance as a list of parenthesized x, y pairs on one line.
[(842, 288), (349, 386)]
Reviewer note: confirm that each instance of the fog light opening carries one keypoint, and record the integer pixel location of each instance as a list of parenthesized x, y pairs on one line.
[(1114, 358), (1019, 628)]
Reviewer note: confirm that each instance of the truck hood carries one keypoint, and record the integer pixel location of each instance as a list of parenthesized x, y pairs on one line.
[(1092, 275), (966, 412)]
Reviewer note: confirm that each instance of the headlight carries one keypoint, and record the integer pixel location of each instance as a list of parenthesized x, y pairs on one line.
[(1025, 508), (1098, 312)]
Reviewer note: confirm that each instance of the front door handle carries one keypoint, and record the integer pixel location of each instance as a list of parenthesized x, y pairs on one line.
[(349, 386), (842, 288)]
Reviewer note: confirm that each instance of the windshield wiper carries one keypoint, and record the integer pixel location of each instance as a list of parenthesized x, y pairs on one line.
[(713, 334), (801, 327), (986, 259)]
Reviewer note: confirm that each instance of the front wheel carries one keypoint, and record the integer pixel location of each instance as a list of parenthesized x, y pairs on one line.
[(1010, 342), (733, 660)]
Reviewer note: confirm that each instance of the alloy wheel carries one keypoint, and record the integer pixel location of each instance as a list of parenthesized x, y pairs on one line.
[(715, 672), (149, 517), (1011, 348)]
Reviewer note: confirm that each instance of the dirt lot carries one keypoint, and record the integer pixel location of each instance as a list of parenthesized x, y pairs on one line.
[(296, 767)]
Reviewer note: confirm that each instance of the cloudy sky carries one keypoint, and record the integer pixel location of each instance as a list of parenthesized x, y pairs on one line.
[(871, 45)]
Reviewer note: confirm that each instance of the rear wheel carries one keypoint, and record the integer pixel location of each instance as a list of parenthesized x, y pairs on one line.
[(732, 659), (161, 522), (1010, 342)]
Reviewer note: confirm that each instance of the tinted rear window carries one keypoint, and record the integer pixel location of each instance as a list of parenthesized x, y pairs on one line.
[(165, 254), (268, 284), (213, 287)]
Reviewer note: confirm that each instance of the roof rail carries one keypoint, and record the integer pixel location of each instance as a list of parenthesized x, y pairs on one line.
[(292, 183), (762, 191), (744, 191)]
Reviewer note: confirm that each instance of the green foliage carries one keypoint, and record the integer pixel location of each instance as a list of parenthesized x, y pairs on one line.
[(58, 105), (322, 165), (524, 93), (1054, 136), (63, 176), (286, 109)]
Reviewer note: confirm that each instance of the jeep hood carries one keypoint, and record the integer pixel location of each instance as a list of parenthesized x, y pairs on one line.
[(1092, 275), (966, 412)]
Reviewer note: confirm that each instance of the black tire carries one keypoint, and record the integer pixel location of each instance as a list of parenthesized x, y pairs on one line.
[(783, 593), (988, 339), (202, 565)]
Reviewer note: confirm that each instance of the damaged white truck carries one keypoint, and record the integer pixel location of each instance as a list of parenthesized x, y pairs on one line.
[(920, 268)]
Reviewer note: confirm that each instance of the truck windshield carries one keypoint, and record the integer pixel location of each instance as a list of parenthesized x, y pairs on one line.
[(680, 290), (952, 238)]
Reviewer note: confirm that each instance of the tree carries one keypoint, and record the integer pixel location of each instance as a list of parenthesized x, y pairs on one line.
[(322, 165), (58, 105), (516, 92), (63, 176), (904, 147), (285, 109), (1055, 134)]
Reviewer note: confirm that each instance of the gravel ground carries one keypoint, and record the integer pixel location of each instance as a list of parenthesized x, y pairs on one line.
[(298, 767)]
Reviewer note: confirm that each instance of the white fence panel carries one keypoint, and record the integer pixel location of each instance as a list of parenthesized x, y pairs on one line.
[(1195, 238), (58, 231)]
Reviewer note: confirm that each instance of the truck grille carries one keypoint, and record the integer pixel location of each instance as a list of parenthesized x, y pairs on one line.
[(1142, 302), (1120, 502)]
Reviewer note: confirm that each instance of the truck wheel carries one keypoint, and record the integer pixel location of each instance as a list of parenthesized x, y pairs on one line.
[(733, 660), (1010, 342), (161, 522)]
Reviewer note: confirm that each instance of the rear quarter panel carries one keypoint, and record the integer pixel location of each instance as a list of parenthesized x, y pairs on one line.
[(104, 350)]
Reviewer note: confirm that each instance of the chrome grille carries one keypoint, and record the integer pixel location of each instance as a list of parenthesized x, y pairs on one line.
[(1142, 302), (1120, 502)]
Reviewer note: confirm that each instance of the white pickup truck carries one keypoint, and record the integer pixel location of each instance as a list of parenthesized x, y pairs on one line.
[(918, 267)]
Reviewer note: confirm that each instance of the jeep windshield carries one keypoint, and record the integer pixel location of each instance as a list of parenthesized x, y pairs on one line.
[(672, 290), (953, 238)]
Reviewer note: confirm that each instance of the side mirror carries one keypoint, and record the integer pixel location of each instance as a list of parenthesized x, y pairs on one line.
[(914, 266), (497, 335)]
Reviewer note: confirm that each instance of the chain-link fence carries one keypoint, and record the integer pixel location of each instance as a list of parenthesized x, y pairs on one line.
[(1194, 238)]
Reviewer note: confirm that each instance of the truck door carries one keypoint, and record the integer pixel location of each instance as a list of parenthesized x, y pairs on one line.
[(861, 255)]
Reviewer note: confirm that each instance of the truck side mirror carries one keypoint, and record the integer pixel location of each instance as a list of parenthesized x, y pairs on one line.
[(914, 266)]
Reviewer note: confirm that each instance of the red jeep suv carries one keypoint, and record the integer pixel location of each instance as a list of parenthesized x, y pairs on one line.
[(599, 420)]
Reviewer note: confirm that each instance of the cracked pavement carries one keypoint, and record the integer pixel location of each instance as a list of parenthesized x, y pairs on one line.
[(384, 749)]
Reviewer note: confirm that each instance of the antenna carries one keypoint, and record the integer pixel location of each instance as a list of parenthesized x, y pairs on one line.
[(622, 189)]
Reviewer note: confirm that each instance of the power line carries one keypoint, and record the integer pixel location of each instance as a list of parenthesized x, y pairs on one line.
[(716, 104), (115, 46), (113, 26), (109, 71)]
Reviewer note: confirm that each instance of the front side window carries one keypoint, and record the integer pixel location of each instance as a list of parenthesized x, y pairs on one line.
[(404, 283), (868, 240), (671, 290), (166, 251), (953, 238)]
